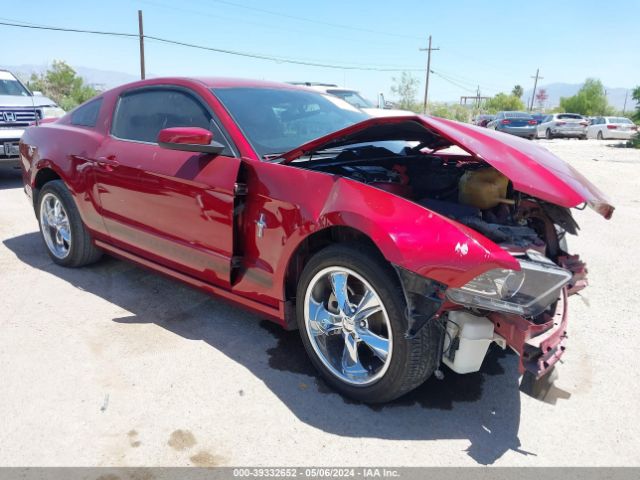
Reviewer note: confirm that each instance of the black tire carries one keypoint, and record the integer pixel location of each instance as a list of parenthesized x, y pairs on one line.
[(600, 136), (548, 134), (82, 250), (412, 360), (583, 137)]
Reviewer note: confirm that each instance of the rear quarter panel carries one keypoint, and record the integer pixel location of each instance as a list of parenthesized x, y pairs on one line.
[(67, 151)]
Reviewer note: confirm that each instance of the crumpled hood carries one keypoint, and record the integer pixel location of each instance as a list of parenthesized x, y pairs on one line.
[(387, 112), (531, 168), (20, 101)]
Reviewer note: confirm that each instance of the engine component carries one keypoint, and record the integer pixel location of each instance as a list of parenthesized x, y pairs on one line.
[(483, 188), (520, 236), (392, 181), (467, 341), (450, 209)]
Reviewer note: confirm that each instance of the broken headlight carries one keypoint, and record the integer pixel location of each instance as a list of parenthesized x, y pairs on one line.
[(527, 292)]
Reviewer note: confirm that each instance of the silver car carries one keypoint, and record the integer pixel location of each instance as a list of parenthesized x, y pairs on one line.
[(563, 125), (618, 128), (19, 107)]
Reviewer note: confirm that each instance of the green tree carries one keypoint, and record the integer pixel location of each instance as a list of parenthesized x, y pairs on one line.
[(502, 101), (452, 112), (517, 91), (61, 83), (636, 96), (590, 100), (405, 89), (635, 141)]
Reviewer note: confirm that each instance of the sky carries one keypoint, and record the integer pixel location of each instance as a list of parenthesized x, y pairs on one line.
[(491, 44)]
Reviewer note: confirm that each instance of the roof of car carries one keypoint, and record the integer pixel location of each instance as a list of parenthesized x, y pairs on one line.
[(223, 82)]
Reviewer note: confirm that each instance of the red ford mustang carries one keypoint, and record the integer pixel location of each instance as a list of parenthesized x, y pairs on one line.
[(390, 252)]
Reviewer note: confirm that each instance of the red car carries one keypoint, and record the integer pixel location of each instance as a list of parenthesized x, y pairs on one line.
[(388, 253)]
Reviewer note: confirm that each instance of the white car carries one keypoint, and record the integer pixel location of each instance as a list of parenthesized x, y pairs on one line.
[(618, 128), (356, 99), (19, 107), (559, 125)]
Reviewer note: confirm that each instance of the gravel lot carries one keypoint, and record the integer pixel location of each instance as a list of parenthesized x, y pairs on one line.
[(113, 365)]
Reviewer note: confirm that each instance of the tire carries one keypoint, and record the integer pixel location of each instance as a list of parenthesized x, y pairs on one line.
[(66, 238), (548, 134), (374, 377), (600, 136), (583, 137)]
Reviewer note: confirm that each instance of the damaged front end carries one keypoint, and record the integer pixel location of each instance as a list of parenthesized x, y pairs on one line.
[(524, 309), (486, 257)]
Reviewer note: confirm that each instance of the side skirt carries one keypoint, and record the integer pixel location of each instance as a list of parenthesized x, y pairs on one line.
[(275, 314)]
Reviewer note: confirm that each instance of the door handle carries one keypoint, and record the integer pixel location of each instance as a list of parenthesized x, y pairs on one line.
[(108, 163)]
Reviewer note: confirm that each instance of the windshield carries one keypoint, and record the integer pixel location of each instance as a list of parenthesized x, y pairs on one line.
[(352, 97), (517, 115), (9, 85), (569, 116), (619, 120), (277, 120)]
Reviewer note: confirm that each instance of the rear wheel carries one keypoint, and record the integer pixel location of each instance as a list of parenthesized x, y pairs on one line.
[(351, 315), (67, 240)]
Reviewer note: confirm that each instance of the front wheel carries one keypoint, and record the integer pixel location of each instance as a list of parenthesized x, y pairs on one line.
[(548, 134), (600, 136), (351, 315)]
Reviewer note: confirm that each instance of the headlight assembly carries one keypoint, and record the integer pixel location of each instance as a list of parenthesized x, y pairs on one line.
[(527, 292)]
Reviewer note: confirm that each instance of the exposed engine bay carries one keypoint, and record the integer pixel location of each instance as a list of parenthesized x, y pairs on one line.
[(473, 193), (467, 191)]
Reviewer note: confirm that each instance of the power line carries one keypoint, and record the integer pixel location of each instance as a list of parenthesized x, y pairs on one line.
[(313, 20), (258, 56), (453, 82), (297, 26)]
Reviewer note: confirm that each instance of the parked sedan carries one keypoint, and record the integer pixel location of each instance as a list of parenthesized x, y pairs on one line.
[(617, 128), (482, 120), (521, 124), (563, 125), (389, 259)]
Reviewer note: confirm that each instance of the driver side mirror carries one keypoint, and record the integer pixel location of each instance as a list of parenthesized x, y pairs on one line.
[(189, 139)]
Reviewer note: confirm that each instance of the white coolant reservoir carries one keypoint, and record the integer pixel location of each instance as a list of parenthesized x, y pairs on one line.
[(468, 341)]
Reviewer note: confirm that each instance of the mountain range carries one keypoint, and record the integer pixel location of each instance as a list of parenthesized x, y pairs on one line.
[(615, 95), (105, 79)]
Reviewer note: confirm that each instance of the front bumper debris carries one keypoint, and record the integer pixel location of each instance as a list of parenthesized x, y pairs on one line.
[(539, 345)]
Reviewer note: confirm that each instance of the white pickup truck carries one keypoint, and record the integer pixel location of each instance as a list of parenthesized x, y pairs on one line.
[(19, 107)]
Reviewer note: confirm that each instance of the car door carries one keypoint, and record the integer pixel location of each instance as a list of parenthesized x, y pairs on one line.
[(596, 127), (172, 207)]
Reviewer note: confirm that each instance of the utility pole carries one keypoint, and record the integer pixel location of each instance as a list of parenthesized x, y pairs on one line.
[(624, 108), (426, 85), (535, 86), (141, 34)]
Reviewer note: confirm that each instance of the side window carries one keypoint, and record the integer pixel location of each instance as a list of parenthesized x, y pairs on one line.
[(87, 115), (140, 115)]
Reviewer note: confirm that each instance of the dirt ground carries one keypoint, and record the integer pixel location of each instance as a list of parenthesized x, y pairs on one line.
[(113, 365)]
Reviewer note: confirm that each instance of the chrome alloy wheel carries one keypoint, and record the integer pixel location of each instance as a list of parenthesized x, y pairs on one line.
[(54, 222), (348, 326)]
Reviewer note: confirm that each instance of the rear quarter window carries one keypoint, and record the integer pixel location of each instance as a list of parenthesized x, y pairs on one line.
[(87, 115), (568, 116)]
